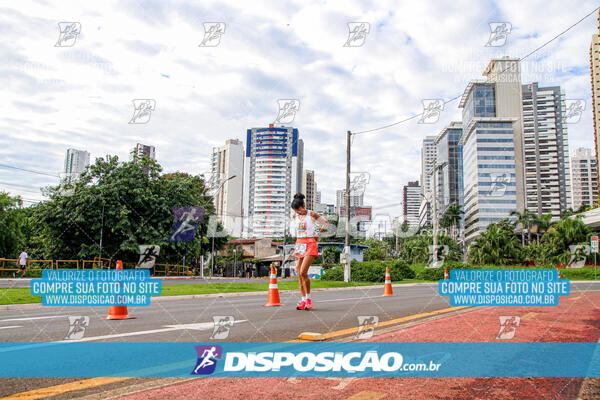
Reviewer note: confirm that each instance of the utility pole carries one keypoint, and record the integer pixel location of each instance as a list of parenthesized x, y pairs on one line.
[(347, 242), (434, 216)]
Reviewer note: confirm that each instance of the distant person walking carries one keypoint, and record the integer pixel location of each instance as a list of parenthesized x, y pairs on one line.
[(306, 249), (22, 263)]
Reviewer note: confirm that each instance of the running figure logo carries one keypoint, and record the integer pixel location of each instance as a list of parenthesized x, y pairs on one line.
[(366, 326), (499, 32), (207, 359), (357, 34), (212, 34), (142, 110), (574, 110), (223, 324), (148, 254), (77, 327), (68, 34), (287, 110), (186, 223), (508, 327), (432, 108)]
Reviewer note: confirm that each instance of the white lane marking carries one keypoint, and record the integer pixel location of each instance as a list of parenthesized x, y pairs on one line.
[(203, 326), (32, 318), (9, 327)]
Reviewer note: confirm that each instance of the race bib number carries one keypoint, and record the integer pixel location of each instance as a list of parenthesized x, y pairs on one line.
[(300, 248)]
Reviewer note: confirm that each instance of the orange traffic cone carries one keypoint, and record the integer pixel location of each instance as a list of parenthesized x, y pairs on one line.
[(558, 269), (446, 276), (118, 312), (387, 287), (273, 299)]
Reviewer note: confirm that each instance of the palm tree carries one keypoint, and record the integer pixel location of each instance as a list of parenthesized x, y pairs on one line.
[(543, 224), (453, 213), (495, 246), (524, 219)]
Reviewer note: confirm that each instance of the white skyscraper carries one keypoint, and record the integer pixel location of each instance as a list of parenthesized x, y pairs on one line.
[(546, 147), (428, 156), (272, 176), (492, 146), (227, 177), (356, 200), (143, 150), (411, 198), (75, 163), (584, 180)]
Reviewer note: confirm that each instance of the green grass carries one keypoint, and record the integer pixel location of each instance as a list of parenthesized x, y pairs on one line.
[(22, 296)]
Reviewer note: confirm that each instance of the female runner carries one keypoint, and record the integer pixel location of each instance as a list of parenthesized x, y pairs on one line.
[(305, 250)]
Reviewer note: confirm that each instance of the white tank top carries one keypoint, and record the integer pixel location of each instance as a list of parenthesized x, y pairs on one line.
[(305, 227)]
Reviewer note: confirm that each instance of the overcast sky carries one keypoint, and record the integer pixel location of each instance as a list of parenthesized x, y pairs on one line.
[(55, 97)]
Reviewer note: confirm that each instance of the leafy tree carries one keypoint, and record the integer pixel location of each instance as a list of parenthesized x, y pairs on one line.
[(331, 255), (451, 219), (378, 249), (525, 220), (561, 236), (130, 203), (497, 245), (13, 220)]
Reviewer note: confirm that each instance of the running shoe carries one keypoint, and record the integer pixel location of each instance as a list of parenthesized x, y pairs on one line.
[(301, 305), (308, 304)]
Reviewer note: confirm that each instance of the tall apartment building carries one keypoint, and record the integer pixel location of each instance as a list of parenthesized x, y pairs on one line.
[(308, 188), (546, 147), (411, 199), (272, 176), (492, 143), (595, 80), (449, 178), (75, 163), (584, 181), (428, 155), (356, 200), (142, 150), (227, 177)]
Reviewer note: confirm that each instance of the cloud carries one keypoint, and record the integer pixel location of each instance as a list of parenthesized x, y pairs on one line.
[(81, 96)]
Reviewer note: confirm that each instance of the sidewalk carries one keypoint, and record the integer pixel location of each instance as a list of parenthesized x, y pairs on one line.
[(575, 319)]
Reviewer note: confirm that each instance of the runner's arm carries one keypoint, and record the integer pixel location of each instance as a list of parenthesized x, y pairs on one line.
[(324, 223)]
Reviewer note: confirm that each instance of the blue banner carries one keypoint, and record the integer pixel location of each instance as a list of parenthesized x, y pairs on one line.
[(498, 287), (171, 359), (95, 287)]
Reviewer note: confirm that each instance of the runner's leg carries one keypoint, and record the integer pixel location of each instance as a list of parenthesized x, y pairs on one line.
[(300, 280), (308, 259)]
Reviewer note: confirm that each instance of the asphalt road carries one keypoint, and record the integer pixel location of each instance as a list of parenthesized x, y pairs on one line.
[(191, 320)]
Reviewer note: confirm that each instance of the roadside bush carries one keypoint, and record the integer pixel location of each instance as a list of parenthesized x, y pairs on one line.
[(431, 274), (371, 271), (335, 273)]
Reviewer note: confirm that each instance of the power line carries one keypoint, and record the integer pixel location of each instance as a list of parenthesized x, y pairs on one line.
[(29, 170), (459, 96)]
